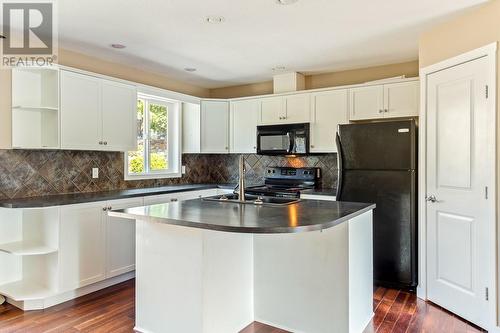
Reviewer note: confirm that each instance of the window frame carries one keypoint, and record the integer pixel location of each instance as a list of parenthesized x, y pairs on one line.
[(174, 133)]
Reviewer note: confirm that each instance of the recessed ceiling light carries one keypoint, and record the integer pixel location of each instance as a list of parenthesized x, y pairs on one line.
[(286, 2), (190, 69), (118, 46), (215, 19), (279, 68)]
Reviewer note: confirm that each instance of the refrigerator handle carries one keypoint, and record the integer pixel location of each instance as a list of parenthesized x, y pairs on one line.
[(339, 167)]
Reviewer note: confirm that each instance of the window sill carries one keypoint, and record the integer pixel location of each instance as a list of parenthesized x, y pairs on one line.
[(153, 176)]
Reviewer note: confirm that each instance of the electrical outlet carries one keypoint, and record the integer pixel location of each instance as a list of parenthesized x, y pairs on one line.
[(95, 173), (183, 169)]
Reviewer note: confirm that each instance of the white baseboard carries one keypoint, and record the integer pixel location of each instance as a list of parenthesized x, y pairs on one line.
[(41, 304), (277, 325)]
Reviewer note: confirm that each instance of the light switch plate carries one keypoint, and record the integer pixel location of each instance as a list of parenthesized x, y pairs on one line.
[(95, 173), (183, 169)]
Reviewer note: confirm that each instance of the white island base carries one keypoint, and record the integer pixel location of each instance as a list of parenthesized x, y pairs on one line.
[(192, 280)]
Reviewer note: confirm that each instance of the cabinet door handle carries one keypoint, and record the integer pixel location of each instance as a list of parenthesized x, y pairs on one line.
[(110, 208), (174, 200), (380, 111), (312, 146), (100, 142), (105, 143), (104, 208), (386, 110)]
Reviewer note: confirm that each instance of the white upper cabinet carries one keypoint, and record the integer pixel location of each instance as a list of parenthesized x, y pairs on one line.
[(214, 126), (402, 99), (297, 108), (244, 119), (35, 108), (329, 109), (367, 102), (119, 118), (191, 121), (81, 123), (97, 114), (285, 109), (391, 100), (272, 110)]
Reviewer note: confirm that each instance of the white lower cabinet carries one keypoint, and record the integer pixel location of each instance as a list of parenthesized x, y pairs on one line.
[(173, 197), (54, 254), (82, 245), (120, 239)]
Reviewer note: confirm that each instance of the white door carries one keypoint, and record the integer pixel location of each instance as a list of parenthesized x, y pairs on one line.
[(81, 245), (215, 127), (298, 108), (459, 169), (329, 110), (120, 239), (119, 116), (81, 123), (272, 110), (367, 102), (401, 99), (244, 119)]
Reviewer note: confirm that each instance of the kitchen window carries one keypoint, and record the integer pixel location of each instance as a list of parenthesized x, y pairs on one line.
[(158, 140)]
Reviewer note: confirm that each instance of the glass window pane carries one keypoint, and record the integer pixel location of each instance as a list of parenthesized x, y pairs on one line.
[(158, 135), (136, 158)]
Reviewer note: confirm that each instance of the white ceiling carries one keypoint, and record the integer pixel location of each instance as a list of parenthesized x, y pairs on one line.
[(311, 36)]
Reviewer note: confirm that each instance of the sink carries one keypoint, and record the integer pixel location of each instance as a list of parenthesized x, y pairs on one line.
[(254, 200)]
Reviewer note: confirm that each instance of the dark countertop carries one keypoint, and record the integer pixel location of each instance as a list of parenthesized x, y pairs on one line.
[(76, 198), (70, 199), (321, 191), (307, 215)]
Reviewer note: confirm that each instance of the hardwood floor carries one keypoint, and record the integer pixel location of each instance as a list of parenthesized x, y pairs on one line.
[(112, 310), (402, 312)]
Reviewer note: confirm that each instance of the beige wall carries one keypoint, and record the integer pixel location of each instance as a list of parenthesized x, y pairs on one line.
[(261, 88), (476, 28), (410, 69), (84, 62), (92, 64)]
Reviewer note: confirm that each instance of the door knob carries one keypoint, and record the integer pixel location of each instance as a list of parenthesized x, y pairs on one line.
[(431, 198)]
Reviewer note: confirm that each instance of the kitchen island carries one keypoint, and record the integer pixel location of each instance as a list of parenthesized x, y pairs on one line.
[(215, 267)]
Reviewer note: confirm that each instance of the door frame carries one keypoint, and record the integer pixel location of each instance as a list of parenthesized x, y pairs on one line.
[(489, 51)]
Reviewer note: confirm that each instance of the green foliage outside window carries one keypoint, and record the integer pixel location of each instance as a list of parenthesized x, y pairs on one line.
[(136, 161)]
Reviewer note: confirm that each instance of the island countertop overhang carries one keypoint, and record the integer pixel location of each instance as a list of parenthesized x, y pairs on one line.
[(304, 216)]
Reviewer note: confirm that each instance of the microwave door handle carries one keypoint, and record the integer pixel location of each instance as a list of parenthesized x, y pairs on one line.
[(290, 143)]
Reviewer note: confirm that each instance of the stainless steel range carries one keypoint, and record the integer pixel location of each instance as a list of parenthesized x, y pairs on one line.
[(287, 182)]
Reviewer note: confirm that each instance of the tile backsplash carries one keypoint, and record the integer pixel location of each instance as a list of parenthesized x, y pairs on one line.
[(29, 173)]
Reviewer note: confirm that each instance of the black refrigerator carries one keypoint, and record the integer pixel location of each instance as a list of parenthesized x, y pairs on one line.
[(378, 164)]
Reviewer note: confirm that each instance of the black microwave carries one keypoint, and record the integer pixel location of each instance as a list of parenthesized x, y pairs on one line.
[(290, 139)]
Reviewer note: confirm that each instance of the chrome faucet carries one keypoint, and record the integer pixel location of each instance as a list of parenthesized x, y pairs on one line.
[(241, 180)]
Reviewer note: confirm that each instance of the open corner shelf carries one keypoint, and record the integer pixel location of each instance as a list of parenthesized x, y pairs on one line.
[(24, 291), (26, 248)]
